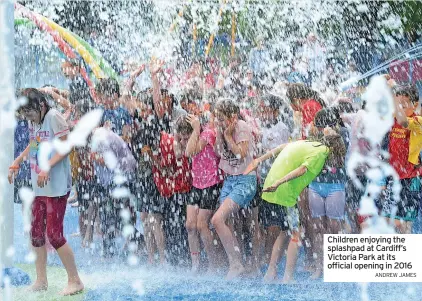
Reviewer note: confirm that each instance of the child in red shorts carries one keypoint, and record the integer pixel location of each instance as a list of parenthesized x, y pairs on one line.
[(51, 189)]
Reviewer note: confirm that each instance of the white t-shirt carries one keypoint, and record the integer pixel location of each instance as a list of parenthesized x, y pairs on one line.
[(272, 137), (60, 178)]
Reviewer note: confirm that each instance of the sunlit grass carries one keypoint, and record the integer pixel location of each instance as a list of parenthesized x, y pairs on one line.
[(57, 280)]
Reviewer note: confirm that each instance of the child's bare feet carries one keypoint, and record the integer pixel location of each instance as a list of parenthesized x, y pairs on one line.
[(151, 260), (287, 280), (72, 288), (39, 286), (270, 275), (195, 269), (235, 272)]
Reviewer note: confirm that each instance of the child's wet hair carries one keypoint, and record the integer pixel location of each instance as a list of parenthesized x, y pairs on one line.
[(35, 99), (272, 101), (345, 107), (183, 126), (409, 91), (300, 91), (327, 117), (227, 107), (337, 154)]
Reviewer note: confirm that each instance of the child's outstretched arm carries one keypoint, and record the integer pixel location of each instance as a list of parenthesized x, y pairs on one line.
[(58, 98), (296, 173), (155, 68), (14, 168), (272, 153), (131, 81)]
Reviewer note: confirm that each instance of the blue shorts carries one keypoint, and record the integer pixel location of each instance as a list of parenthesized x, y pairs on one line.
[(325, 189), (327, 199), (241, 189)]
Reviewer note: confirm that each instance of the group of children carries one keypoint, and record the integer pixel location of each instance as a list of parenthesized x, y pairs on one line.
[(224, 184)]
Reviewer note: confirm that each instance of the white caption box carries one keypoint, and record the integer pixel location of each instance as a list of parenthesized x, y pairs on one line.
[(372, 258)]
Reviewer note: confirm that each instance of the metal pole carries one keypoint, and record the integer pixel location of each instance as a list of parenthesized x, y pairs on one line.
[(7, 125), (233, 42), (6, 129)]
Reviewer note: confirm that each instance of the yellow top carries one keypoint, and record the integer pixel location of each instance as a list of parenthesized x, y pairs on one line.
[(415, 142), (75, 164)]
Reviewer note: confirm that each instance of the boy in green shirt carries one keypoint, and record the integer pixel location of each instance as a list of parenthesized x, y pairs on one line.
[(296, 166), (303, 159)]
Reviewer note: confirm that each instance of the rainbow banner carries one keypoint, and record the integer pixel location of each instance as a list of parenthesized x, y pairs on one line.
[(68, 42)]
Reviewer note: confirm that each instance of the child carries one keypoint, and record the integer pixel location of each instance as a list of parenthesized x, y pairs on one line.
[(307, 102), (190, 102), (172, 177), (150, 202), (275, 131), (327, 196), (295, 167), (235, 147), (404, 148), (207, 179), (114, 117), (107, 144), (51, 189)]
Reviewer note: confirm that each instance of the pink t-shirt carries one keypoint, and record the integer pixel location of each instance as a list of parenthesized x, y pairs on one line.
[(205, 171)]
